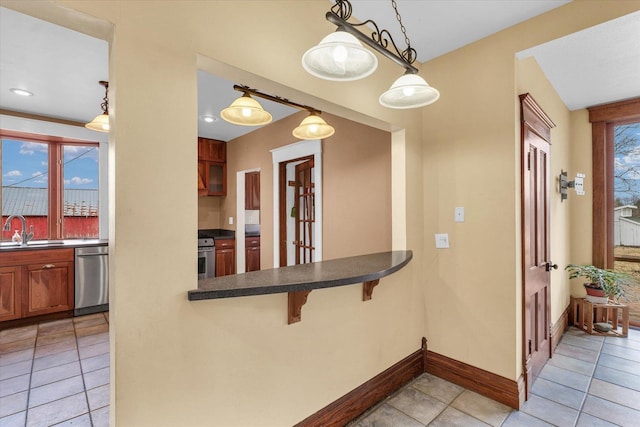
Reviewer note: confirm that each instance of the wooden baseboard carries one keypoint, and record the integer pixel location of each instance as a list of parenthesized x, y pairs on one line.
[(475, 379), (357, 401), (25, 321), (559, 328)]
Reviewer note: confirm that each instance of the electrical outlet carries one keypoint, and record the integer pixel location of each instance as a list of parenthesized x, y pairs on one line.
[(458, 215), (442, 241)]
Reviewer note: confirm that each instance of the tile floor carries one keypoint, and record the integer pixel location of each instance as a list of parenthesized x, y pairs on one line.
[(56, 373), (590, 381)]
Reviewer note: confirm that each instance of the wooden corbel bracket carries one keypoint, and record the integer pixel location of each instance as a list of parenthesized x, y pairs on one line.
[(367, 289), (296, 301)]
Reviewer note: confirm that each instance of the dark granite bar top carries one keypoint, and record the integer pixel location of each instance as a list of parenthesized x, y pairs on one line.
[(303, 277), (216, 233)]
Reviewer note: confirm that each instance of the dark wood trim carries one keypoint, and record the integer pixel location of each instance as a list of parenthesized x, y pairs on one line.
[(296, 301), (367, 289), (559, 328), (603, 119), (40, 118), (493, 386), (617, 111), (36, 137), (357, 401), (535, 117), (9, 324)]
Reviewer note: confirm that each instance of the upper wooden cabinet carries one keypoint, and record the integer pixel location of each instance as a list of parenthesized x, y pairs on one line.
[(252, 191), (212, 150), (212, 167)]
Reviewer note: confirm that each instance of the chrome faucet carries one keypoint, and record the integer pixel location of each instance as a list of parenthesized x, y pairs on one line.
[(25, 236)]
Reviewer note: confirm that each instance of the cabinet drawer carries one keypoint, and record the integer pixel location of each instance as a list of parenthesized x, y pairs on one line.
[(252, 242), (44, 256), (225, 243)]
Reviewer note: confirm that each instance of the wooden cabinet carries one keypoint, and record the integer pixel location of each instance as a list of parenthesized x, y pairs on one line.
[(252, 253), (225, 257), (212, 167), (36, 282), (10, 286), (252, 191)]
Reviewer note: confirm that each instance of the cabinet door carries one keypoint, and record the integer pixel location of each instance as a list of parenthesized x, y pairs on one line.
[(202, 178), (225, 257), (212, 150), (252, 191), (252, 257), (48, 288), (10, 298), (217, 179)]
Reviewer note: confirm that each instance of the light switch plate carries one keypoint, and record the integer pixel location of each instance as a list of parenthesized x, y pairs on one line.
[(459, 214), (230, 220), (442, 241)]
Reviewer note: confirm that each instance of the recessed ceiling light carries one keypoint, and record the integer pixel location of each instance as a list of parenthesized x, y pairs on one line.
[(21, 92), (209, 119)]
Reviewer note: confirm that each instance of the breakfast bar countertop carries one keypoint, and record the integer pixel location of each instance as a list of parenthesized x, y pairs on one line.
[(303, 277)]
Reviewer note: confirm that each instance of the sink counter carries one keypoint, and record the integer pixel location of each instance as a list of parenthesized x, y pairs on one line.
[(51, 244), (303, 277)]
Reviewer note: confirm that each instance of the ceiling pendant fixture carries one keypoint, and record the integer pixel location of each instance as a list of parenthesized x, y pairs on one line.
[(101, 122), (246, 111), (338, 57), (312, 127)]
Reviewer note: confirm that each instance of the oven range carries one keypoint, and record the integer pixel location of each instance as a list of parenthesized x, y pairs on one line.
[(206, 258)]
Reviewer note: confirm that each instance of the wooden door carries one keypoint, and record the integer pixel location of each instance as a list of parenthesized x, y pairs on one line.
[(304, 203), (536, 264)]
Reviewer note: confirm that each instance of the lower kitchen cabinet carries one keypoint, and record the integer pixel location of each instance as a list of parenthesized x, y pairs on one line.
[(225, 257), (252, 253), (36, 282)]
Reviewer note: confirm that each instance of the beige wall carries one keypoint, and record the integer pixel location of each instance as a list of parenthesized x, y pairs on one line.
[(235, 362), (471, 158)]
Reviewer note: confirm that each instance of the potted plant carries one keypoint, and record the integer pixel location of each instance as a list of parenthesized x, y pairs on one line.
[(603, 284)]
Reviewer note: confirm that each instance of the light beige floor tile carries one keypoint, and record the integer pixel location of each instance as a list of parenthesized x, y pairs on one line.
[(520, 419), (58, 347), (387, 415), (14, 385), (482, 408), (10, 347), (15, 420), (96, 378), (54, 338), (16, 356), (100, 417), (57, 411), (89, 320), (453, 417), (13, 403), (437, 387), (92, 330), (94, 363), (98, 397), (54, 328), (15, 369), (18, 334), (615, 393), (57, 373), (81, 421), (93, 339), (56, 390), (586, 420), (94, 350), (56, 359), (549, 411), (417, 405), (612, 412)]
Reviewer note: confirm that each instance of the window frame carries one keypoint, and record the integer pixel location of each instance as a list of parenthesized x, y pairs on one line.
[(55, 162), (603, 119)]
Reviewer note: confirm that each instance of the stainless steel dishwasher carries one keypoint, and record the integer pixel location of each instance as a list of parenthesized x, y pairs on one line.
[(91, 280)]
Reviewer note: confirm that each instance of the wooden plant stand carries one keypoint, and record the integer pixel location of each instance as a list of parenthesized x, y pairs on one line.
[(585, 314)]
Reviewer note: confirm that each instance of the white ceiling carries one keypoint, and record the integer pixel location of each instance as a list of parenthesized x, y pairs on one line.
[(62, 67)]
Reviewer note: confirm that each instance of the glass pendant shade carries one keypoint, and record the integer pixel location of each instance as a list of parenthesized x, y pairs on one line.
[(409, 91), (339, 56), (100, 123), (313, 127), (246, 111)]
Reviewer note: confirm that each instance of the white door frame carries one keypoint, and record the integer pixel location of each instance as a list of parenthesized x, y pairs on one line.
[(240, 220)]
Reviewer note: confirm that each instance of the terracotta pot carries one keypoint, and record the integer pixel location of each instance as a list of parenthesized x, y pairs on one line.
[(594, 290)]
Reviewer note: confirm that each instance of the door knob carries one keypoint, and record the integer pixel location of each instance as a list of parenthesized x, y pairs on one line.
[(551, 266)]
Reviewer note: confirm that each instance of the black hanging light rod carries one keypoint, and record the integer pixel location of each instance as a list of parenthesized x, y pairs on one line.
[(274, 98), (379, 40)]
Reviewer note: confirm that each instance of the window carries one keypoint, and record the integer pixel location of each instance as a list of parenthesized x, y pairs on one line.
[(616, 189), (52, 182)]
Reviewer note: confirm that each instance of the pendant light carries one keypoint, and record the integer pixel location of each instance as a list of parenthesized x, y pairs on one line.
[(246, 111), (340, 57), (101, 122), (409, 91), (313, 127)]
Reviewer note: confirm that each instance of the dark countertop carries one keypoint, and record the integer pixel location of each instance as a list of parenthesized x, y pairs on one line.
[(303, 277), (52, 244), (251, 234), (216, 234)]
